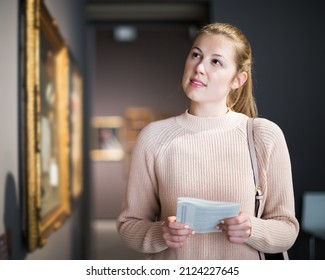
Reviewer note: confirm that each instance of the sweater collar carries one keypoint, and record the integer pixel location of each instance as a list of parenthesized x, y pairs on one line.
[(225, 122)]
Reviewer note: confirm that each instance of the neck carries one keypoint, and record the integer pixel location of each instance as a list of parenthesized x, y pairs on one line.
[(207, 111)]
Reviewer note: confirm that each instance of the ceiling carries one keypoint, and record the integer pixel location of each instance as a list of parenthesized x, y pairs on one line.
[(147, 11)]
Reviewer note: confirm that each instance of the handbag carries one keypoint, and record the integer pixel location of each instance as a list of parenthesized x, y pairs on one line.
[(258, 188)]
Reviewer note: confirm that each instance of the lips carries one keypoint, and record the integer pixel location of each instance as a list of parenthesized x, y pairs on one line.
[(197, 83)]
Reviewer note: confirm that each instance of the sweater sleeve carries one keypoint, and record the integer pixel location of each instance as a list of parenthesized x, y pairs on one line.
[(277, 229), (137, 224)]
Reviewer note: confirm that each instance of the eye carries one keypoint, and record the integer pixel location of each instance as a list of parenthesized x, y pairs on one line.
[(195, 55), (216, 62)]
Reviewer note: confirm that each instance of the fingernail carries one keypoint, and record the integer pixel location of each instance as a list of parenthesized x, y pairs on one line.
[(193, 232), (217, 227), (222, 221), (186, 226)]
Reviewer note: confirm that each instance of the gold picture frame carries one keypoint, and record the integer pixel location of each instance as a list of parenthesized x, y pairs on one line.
[(107, 138), (75, 127), (46, 126), (136, 118)]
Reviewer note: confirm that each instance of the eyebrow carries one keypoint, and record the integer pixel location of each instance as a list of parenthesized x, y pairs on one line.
[(215, 54)]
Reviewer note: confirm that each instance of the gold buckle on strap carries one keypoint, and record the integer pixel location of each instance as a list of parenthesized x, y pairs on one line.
[(259, 194)]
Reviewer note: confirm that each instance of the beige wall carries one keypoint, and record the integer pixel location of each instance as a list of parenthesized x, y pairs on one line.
[(9, 180)]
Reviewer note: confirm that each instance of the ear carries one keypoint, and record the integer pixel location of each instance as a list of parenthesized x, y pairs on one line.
[(239, 80)]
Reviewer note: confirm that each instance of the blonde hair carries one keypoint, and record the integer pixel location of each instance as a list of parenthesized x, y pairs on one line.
[(241, 99)]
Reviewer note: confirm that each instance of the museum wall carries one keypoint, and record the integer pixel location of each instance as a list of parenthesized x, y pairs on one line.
[(68, 241), (143, 74)]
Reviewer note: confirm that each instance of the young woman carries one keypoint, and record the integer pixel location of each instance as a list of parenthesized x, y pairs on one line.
[(203, 153)]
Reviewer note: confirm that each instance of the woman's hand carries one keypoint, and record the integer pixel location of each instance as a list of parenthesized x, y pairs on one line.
[(237, 229), (175, 233)]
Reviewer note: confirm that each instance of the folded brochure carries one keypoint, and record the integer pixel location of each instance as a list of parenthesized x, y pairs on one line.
[(202, 215)]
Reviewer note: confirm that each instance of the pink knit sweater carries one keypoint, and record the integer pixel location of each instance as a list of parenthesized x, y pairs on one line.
[(208, 158)]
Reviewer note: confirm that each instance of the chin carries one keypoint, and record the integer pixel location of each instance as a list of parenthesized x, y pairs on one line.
[(193, 96)]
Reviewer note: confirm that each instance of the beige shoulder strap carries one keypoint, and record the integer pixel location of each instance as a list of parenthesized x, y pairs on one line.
[(252, 151), (259, 194)]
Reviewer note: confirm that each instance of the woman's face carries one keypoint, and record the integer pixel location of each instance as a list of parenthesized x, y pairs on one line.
[(210, 71)]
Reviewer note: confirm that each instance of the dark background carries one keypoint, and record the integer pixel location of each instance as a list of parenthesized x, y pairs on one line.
[(288, 44)]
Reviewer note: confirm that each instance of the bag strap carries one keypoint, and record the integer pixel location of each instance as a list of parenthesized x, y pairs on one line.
[(252, 151), (258, 188)]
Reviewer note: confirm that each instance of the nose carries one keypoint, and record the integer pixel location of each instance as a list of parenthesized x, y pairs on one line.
[(200, 69)]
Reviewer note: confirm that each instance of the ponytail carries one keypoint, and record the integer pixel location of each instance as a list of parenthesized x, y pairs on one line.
[(241, 100)]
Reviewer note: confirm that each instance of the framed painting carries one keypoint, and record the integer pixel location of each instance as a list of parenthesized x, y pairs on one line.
[(136, 118), (107, 138), (75, 127), (46, 110)]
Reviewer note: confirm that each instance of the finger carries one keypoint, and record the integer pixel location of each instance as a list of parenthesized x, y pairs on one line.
[(181, 232), (174, 245), (177, 225), (237, 233), (238, 240), (235, 227), (176, 231), (233, 221), (171, 219), (174, 241), (240, 219), (176, 238), (171, 222)]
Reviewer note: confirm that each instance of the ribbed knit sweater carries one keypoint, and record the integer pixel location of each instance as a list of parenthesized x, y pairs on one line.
[(208, 158)]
